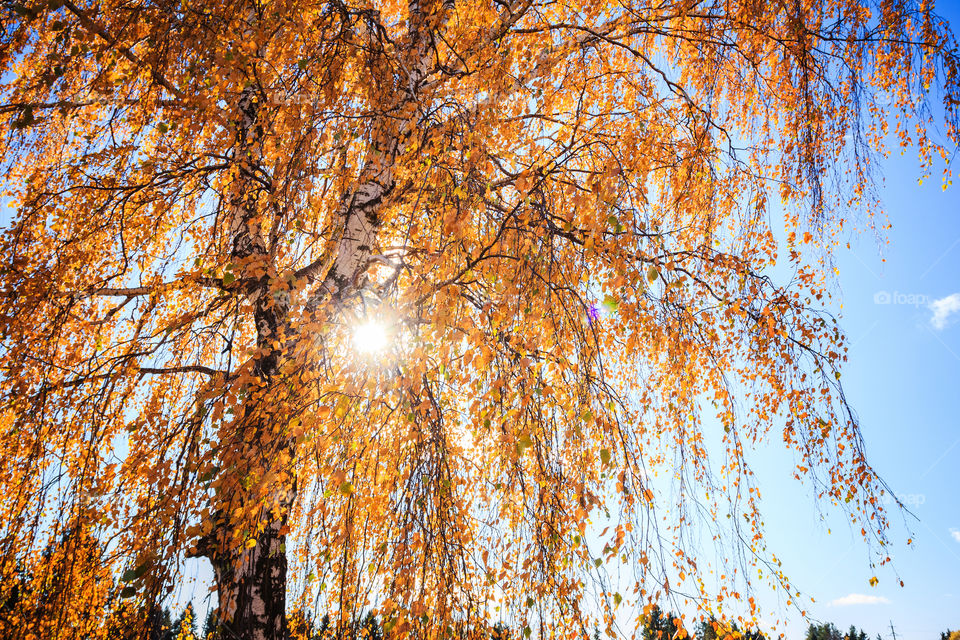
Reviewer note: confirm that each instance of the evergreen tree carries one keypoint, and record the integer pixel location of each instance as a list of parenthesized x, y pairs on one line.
[(500, 632), (370, 630), (209, 626), (185, 626), (827, 631), (658, 625), (705, 630), (324, 628), (159, 624), (753, 634)]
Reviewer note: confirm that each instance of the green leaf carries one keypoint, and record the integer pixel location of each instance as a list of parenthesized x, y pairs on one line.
[(524, 443), (610, 304), (526, 632), (228, 278), (346, 488), (653, 273), (128, 592), (605, 456), (136, 573), (617, 599)]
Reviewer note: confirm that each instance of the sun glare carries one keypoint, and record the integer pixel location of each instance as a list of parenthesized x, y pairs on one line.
[(370, 337)]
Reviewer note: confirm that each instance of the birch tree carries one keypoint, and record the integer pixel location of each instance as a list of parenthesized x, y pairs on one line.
[(394, 305)]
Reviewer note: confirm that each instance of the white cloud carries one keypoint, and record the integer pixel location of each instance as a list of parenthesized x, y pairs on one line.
[(943, 309), (858, 598), (956, 534)]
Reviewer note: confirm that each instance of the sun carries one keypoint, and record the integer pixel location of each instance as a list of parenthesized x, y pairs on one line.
[(370, 337)]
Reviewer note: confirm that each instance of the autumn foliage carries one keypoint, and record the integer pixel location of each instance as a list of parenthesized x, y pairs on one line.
[(597, 236)]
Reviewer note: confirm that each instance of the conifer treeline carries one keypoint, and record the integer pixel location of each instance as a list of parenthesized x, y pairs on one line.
[(42, 593)]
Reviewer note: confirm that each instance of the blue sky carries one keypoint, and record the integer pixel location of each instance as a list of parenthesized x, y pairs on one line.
[(902, 379)]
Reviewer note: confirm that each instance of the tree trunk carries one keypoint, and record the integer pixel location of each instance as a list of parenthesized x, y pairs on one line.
[(253, 586), (251, 581)]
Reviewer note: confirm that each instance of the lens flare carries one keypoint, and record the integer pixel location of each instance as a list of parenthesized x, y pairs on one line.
[(370, 337)]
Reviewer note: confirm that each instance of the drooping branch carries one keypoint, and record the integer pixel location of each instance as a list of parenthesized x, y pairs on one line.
[(125, 51)]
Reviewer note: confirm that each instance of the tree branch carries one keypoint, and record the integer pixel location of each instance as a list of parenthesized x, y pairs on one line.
[(89, 23)]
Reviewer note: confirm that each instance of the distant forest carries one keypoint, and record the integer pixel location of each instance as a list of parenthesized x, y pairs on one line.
[(659, 625)]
